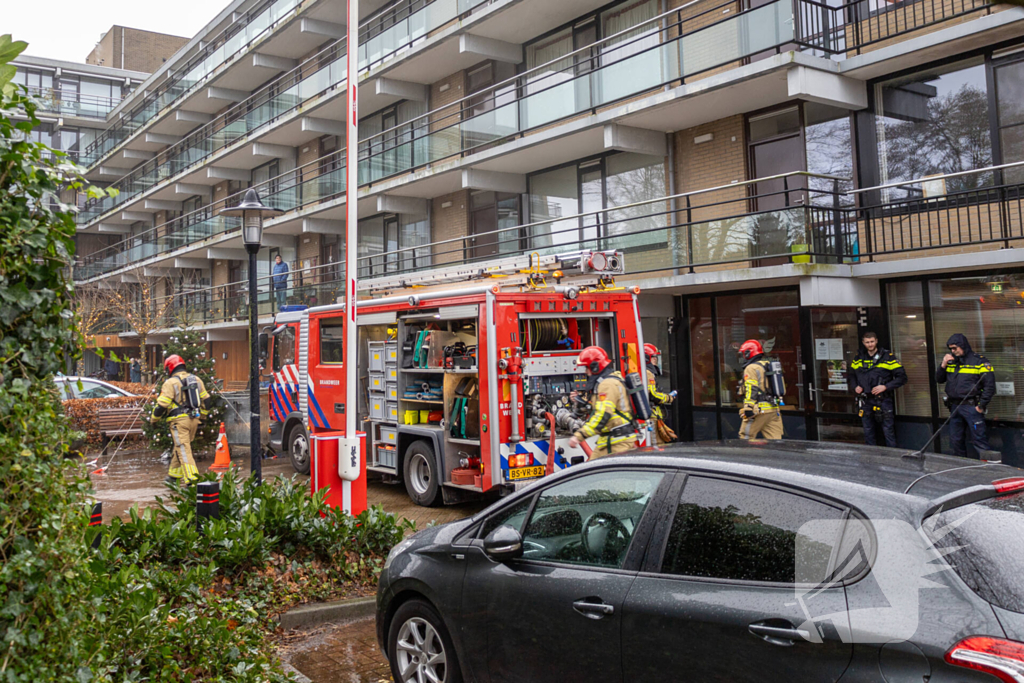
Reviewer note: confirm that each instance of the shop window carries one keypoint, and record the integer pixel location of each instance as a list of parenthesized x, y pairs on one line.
[(702, 355), (990, 312), (909, 343), (772, 318)]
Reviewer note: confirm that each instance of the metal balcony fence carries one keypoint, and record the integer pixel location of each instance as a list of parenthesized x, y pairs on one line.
[(793, 218), (382, 37), (66, 103)]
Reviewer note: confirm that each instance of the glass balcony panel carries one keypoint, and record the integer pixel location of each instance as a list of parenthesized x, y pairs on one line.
[(755, 31)]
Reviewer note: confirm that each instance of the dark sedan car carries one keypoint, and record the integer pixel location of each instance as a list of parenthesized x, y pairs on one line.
[(722, 562)]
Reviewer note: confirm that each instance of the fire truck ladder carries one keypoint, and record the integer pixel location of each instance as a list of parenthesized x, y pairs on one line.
[(580, 269)]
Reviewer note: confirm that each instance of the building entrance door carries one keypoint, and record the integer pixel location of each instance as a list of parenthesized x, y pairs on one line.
[(833, 344)]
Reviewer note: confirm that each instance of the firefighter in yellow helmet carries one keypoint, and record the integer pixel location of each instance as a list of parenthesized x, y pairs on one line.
[(656, 396), (184, 401), (760, 412), (612, 416)]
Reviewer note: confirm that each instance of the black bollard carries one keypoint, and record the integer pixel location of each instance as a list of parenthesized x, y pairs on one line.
[(96, 519), (207, 502)]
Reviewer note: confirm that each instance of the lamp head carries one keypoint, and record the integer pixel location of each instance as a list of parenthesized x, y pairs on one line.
[(252, 212)]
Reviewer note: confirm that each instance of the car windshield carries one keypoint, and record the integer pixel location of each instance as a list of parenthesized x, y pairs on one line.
[(984, 543)]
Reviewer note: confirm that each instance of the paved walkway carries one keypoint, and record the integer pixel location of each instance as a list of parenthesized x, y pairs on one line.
[(345, 652)]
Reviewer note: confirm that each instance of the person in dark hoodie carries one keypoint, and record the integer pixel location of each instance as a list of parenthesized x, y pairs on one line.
[(970, 385), (875, 375)]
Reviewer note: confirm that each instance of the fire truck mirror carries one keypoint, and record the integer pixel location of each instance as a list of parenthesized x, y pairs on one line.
[(264, 340)]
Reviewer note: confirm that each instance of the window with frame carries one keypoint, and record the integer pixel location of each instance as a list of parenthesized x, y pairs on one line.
[(332, 339), (731, 530), (589, 520), (284, 348)]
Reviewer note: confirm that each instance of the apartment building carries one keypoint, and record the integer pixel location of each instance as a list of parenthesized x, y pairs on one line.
[(796, 171)]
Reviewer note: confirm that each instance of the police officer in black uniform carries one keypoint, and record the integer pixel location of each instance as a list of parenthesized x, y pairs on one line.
[(970, 385), (875, 374)]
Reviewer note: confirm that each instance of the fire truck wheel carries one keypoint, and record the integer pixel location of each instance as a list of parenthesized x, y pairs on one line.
[(422, 480), (420, 646), (298, 449)]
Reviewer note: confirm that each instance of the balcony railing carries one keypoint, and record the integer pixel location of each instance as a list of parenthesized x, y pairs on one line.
[(633, 61), (255, 23), (380, 40), (792, 218), (73, 104)]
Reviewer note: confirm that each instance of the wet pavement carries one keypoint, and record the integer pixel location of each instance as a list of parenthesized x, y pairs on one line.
[(344, 652), (137, 477)]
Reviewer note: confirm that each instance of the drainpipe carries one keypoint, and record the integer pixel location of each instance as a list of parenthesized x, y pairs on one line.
[(672, 190)]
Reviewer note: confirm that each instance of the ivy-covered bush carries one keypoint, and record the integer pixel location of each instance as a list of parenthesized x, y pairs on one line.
[(155, 601)]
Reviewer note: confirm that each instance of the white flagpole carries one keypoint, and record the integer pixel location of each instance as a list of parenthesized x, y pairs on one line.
[(351, 224)]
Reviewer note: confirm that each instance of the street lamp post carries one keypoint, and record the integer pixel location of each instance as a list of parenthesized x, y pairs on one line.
[(252, 212)]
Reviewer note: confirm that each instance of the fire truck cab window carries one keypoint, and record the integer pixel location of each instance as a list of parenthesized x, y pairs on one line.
[(284, 348), (331, 341)]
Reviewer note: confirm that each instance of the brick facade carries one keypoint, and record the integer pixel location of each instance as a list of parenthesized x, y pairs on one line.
[(133, 49)]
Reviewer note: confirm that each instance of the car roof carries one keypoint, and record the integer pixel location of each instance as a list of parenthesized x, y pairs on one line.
[(76, 378), (829, 467)]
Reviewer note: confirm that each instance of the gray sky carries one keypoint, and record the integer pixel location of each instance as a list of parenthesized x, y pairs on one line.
[(69, 29)]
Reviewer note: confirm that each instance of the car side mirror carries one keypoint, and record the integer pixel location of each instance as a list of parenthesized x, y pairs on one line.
[(503, 544)]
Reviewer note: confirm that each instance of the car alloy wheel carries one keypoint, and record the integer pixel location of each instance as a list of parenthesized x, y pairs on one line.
[(420, 652)]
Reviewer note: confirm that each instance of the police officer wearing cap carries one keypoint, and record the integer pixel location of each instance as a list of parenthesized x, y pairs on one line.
[(970, 385), (611, 418), (875, 375), (183, 421)]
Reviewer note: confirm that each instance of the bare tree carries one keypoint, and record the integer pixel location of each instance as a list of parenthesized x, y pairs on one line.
[(91, 306), (137, 301)]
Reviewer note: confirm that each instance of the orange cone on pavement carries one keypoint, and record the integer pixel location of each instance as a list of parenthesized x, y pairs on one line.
[(222, 461)]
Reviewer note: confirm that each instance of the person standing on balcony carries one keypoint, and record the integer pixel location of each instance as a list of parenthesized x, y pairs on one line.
[(876, 374), (280, 280), (970, 385)]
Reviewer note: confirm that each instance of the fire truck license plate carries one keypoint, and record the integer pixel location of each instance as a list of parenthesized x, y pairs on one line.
[(525, 473)]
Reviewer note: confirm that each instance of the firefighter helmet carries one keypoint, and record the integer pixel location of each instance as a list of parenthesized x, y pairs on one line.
[(750, 349), (172, 362), (594, 358), (652, 357)]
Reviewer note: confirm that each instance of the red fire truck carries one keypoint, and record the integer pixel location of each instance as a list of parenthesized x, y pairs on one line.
[(465, 372)]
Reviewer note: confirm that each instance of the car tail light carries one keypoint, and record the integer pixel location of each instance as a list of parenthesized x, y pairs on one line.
[(1009, 485), (1004, 659)]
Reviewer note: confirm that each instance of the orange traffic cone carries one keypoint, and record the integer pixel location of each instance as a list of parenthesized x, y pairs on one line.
[(222, 461)]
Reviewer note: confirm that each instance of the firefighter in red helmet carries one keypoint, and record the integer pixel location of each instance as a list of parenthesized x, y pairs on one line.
[(657, 397), (183, 401), (611, 418), (760, 412)]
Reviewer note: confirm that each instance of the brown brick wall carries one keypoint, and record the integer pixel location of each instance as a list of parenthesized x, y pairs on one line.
[(450, 141), (930, 15), (133, 49), (448, 223), (720, 161)]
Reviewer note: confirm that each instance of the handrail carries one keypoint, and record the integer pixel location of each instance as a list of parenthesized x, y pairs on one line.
[(932, 178), (369, 142), (364, 28), (621, 207)]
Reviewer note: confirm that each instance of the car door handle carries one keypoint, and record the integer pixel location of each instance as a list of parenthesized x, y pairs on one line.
[(592, 609), (784, 636)]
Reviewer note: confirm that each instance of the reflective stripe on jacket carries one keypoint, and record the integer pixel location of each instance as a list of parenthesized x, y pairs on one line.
[(172, 398), (755, 386), (611, 412)]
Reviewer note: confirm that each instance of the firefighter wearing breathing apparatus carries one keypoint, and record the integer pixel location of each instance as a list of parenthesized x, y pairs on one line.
[(970, 386), (656, 396), (611, 418), (875, 375), (760, 412), (183, 401)]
